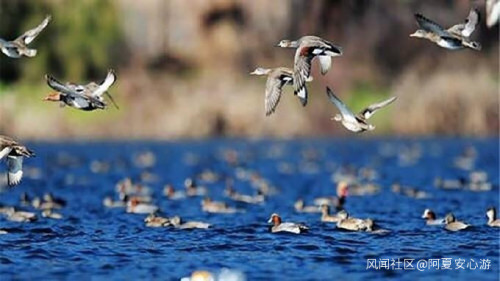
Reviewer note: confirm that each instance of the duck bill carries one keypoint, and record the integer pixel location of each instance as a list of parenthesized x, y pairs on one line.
[(413, 34), (270, 220)]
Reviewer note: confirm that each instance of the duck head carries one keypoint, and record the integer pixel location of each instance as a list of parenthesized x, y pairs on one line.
[(449, 218), (420, 33), (325, 209), (428, 214), (56, 96), (274, 219), (337, 117), (260, 71), (287, 44)]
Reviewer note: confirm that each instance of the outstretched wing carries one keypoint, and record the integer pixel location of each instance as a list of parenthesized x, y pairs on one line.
[(273, 92), (68, 89), (101, 89), (301, 72), (15, 170), (465, 29), (346, 112), (31, 34), (430, 26), (370, 110)]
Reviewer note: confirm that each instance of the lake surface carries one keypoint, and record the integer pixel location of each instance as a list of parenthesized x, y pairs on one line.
[(94, 242)]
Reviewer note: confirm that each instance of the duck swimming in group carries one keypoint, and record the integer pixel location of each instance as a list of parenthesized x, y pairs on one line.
[(19, 47), (177, 222), (453, 38), (348, 223), (309, 47), (279, 226), (430, 218), (15, 153), (452, 224), (491, 213), (326, 216), (137, 207), (356, 122), (300, 207), (87, 97)]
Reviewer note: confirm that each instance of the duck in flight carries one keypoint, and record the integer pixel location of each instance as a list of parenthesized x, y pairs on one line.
[(19, 47), (453, 38), (84, 97), (309, 47), (276, 79), (356, 122), (15, 153)]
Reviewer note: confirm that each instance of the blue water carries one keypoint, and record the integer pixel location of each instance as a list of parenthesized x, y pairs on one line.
[(93, 242)]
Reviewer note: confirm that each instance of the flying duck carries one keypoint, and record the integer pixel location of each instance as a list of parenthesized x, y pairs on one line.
[(453, 38), (309, 47), (356, 123), (19, 47), (276, 79), (84, 97), (15, 153)]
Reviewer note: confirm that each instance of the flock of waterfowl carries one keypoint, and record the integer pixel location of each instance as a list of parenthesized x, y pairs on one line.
[(136, 198)]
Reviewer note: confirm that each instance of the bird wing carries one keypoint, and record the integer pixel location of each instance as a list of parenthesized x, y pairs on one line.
[(302, 70), (370, 110), (15, 170), (326, 63), (31, 34), (5, 151), (101, 89), (274, 85), (466, 28), (430, 26), (344, 110), (68, 89)]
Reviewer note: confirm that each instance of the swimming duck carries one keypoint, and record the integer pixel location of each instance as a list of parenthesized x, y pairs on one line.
[(192, 189), (49, 213), (276, 79), (136, 207), (491, 213), (15, 153), (337, 202), (356, 122), (309, 47), (84, 97), (348, 223), (48, 197), (453, 38), (210, 206), (20, 216), (373, 228), (249, 199), (153, 220), (430, 218), (177, 222), (325, 214), (301, 208), (452, 224), (110, 203), (173, 194), (279, 226), (127, 187), (19, 47)]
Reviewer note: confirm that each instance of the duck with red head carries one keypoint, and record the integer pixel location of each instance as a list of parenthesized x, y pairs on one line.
[(279, 226)]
